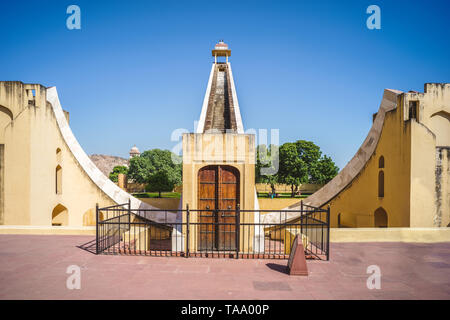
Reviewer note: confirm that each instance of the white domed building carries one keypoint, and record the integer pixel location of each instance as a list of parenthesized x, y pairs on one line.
[(134, 152)]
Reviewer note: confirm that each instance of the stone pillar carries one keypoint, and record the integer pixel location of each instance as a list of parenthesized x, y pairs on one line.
[(122, 180)]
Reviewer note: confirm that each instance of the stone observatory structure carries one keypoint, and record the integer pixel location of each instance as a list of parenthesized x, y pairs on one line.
[(219, 162), (46, 179), (400, 176)]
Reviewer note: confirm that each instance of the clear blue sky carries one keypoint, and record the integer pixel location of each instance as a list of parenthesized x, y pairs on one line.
[(138, 70)]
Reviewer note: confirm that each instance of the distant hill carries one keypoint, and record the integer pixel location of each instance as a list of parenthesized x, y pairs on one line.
[(106, 163)]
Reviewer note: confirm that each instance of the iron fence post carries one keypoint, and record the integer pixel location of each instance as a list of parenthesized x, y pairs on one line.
[(96, 229), (238, 224), (129, 229), (328, 233), (129, 214), (187, 230), (301, 218)]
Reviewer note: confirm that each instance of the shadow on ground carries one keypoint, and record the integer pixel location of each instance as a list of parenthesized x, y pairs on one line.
[(89, 246), (278, 267)]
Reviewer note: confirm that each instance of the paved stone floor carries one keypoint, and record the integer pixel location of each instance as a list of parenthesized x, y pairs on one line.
[(34, 267)]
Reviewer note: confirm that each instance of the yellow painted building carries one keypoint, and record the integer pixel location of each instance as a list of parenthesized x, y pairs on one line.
[(46, 179), (398, 178), (400, 175), (219, 166)]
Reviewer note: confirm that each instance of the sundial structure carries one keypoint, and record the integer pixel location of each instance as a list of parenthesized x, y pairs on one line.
[(219, 163)]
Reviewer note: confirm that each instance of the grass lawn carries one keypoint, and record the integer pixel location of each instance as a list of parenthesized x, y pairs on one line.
[(176, 195), (286, 195)]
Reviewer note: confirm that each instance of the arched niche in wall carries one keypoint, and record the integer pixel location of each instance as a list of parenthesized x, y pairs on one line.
[(380, 218), (440, 125), (60, 216), (6, 117), (89, 217), (7, 112)]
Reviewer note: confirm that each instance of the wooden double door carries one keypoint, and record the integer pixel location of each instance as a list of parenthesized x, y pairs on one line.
[(218, 197)]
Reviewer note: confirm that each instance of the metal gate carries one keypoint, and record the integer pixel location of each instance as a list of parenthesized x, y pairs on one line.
[(262, 234)]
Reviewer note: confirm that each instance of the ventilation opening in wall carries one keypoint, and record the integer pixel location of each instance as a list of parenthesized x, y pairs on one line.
[(381, 162), (31, 95), (58, 155), (381, 184), (58, 180), (413, 108)]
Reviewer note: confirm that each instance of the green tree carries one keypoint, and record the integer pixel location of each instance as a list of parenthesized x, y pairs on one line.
[(303, 162), (143, 169), (162, 180), (159, 159), (324, 171), (267, 165), (293, 170), (309, 152), (113, 175), (140, 169)]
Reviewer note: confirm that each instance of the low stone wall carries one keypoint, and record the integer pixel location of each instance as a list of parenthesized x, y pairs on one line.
[(306, 187), (276, 203), (47, 230), (390, 235), (163, 203), (420, 235)]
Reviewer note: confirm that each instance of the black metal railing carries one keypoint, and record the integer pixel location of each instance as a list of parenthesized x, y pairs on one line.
[(265, 234)]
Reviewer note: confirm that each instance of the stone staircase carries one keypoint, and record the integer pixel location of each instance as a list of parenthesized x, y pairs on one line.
[(220, 114)]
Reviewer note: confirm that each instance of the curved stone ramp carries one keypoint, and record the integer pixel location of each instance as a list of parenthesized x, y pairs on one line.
[(108, 187), (355, 166)]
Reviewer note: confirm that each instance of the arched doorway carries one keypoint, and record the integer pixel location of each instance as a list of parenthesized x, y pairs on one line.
[(380, 218), (60, 216), (218, 190)]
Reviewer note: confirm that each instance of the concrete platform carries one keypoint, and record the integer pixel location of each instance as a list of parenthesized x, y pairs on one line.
[(34, 267)]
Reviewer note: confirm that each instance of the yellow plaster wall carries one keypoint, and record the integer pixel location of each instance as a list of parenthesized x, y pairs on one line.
[(31, 141), (445, 187), (423, 166), (358, 202), (200, 150), (422, 235), (276, 203), (237, 150), (430, 130), (409, 147)]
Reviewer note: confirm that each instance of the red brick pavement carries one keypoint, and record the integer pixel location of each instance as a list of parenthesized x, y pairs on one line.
[(34, 267)]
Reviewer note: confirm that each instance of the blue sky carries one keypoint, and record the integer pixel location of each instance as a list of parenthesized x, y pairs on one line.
[(137, 70)]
